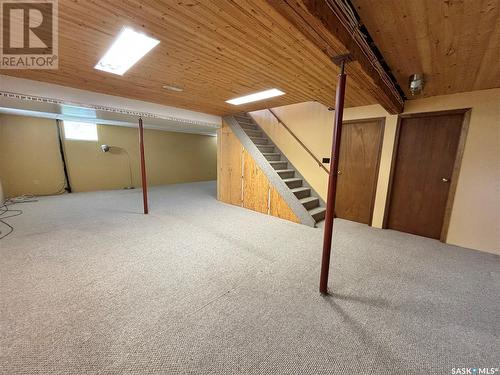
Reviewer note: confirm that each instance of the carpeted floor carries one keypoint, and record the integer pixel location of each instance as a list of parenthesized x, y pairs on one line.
[(90, 286)]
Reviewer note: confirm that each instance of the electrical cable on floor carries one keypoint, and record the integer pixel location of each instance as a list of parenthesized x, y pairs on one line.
[(25, 198), (4, 210), (3, 216), (11, 229)]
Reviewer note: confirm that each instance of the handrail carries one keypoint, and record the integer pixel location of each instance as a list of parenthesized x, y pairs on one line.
[(298, 140)]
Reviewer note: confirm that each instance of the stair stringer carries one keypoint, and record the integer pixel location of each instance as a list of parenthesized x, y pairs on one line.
[(274, 179)]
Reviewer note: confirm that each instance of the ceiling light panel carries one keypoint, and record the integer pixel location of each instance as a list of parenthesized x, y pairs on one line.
[(128, 48), (173, 88), (256, 97)]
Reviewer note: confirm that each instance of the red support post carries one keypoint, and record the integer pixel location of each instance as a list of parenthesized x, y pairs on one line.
[(332, 181), (143, 168)]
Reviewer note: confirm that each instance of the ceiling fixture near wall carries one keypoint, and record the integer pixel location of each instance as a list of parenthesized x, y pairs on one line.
[(416, 83), (128, 48), (255, 97), (173, 88)]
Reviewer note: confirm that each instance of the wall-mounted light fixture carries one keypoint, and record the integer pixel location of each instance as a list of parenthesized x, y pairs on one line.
[(416, 83), (107, 148)]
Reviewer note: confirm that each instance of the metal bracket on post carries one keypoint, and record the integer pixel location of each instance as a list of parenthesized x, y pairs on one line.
[(334, 167), (342, 59)]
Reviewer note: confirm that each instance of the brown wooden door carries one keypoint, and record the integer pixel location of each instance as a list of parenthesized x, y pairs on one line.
[(358, 170), (422, 173)]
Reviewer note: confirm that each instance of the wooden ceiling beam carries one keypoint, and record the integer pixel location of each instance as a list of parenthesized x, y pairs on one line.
[(327, 24)]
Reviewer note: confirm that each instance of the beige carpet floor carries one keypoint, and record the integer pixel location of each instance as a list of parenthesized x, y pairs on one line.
[(91, 286)]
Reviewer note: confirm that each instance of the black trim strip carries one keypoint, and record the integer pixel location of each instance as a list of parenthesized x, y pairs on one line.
[(63, 157)]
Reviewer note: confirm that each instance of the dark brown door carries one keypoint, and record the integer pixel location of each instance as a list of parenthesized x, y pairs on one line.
[(422, 173), (358, 170)]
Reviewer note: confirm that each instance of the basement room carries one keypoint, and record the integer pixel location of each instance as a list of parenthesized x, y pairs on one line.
[(250, 187)]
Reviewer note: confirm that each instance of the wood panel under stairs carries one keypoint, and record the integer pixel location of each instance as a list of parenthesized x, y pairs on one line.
[(286, 171)]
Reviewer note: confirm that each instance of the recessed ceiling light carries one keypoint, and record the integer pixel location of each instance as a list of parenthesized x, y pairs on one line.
[(128, 48), (255, 97), (173, 88)]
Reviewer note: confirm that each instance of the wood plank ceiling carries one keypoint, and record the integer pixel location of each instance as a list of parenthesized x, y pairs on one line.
[(333, 28), (455, 43), (214, 50)]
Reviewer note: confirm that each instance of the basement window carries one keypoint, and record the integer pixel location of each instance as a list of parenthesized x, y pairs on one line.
[(81, 131)]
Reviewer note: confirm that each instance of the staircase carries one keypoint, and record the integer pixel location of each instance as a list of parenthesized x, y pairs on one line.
[(286, 171)]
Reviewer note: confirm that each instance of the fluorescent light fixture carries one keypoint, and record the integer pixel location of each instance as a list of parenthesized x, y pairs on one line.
[(255, 97), (173, 88), (127, 49)]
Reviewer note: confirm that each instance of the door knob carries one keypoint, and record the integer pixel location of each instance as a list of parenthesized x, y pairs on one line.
[(445, 180), (339, 172)]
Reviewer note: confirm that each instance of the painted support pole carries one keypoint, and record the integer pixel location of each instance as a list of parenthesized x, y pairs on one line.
[(143, 168), (332, 181)]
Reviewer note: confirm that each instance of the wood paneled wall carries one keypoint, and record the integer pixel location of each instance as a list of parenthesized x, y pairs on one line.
[(242, 183), (255, 186), (229, 167)]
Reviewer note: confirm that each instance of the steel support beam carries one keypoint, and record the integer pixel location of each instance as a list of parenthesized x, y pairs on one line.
[(143, 168), (332, 179)]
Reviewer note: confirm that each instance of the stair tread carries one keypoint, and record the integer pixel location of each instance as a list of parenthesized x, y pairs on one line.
[(292, 179), (316, 210), (308, 199), (277, 162), (271, 153), (302, 188), (285, 170)]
